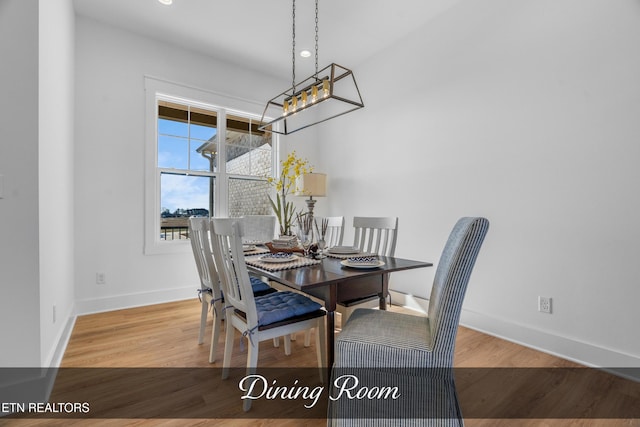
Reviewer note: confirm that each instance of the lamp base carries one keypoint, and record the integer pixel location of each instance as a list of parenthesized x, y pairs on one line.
[(311, 203)]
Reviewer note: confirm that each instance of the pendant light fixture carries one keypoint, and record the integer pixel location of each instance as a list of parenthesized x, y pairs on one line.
[(328, 93)]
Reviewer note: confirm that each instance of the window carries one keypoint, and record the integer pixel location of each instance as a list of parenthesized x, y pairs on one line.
[(203, 160)]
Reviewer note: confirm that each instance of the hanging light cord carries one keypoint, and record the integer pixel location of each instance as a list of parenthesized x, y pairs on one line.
[(316, 38), (293, 49)]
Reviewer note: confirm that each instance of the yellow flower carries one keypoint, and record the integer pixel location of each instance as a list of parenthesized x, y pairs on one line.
[(291, 168)]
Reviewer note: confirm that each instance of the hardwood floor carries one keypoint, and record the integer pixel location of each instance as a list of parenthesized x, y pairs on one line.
[(165, 336)]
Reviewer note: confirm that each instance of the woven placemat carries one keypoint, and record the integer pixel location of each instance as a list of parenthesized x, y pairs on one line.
[(271, 266)]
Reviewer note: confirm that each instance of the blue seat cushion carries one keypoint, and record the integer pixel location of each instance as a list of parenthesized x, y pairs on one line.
[(280, 306), (258, 285)]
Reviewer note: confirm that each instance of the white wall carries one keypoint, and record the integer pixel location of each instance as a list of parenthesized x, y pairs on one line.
[(110, 139), (56, 169), (527, 113), (36, 209), (523, 112), (19, 273)]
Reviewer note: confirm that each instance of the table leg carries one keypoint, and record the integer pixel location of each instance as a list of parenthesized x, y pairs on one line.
[(330, 305), (385, 291)]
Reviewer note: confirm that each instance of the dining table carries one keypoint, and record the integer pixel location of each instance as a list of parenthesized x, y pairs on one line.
[(330, 280)]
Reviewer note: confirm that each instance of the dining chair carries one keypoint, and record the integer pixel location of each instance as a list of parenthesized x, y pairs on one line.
[(382, 343), (335, 230), (374, 235), (209, 292), (258, 318), (258, 228)]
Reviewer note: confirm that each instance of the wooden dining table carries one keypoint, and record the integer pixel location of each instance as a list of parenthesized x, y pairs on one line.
[(335, 283)]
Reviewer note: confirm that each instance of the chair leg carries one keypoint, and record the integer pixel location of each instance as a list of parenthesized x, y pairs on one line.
[(252, 364), (203, 320), (228, 348), (215, 336), (287, 345), (276, 342), (307, 338)]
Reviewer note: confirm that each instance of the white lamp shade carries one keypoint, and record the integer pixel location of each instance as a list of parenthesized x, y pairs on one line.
[(311, 184)]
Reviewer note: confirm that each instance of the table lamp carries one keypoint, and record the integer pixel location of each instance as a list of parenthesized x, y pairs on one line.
[(312, 185)]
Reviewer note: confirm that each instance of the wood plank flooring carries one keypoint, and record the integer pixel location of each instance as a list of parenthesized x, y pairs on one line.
[(165, 336)]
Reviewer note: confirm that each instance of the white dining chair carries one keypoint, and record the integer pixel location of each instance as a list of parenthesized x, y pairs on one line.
[(374, 235), (335, 230), (263, 317), (209, 292), (377, 235), (258, 228)]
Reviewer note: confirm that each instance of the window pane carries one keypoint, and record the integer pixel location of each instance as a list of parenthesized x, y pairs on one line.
[(173, 152), (204, 155), (182, 196), (261, 162), (261, 141), (238, 160), (248, 149), (248, 197), (173, 128), (203, 123), (248, 161), (203, 131)]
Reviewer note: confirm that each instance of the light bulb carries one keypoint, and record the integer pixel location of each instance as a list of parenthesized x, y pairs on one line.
[(294, 103), (285, 108), (325, 88), (314, 93), (303, 97)]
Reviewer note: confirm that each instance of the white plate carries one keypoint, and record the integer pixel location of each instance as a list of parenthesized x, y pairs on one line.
[(346, 263), (271, 258), (344, 250), (253, 242), (247, 248)]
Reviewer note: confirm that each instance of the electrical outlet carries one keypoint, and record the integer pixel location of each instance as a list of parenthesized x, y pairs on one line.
[(544, 304), (100, 279)]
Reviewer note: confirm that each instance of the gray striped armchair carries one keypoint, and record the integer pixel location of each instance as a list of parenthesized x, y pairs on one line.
[(396, 369)]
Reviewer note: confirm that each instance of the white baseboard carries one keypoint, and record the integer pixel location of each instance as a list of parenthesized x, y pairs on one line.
[(567, 348), (55, 358), (139, 299)]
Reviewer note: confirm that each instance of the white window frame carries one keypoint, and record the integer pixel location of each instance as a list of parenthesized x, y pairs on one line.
[(156, 89)]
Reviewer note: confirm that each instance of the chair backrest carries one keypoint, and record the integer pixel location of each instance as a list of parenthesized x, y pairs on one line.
[(450, 282), (258, 228), (203, 255), (226, 239), (376, 235), (335, 230)]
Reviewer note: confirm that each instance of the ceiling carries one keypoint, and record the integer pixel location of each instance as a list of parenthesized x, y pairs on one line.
[(257, 34)]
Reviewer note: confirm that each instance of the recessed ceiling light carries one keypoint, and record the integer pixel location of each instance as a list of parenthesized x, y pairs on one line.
[(305, 53), (167, 2)]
